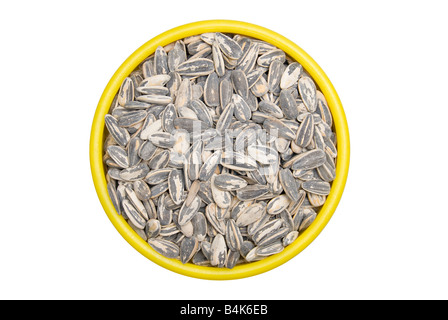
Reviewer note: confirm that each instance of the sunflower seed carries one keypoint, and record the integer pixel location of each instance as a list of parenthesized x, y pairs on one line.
[(307, 90), (317, 187), (164, 214), (119, 155), (246, 247), (140, 232), (290, 75), (196, 67), (175, 58), (151, 91), (120, 135), (260, 88), (160, 160), (262, 230), (158, 176), (192, 192), (287, 219), (190, 125), (181, 142), (204, 53), (229, 47), (255, 226), (252, 255), (270, 249), (330, 148), (142, 190), (133, 214), (234, 238), (188, 247), (176, 186), (148, 69), (211, 214), (225, 92), (229, 182), (218, 60), (239, 82), (206, 248), (278, 204), (150, 127), (242, 111), (114, 197), (266, 59), (199, 226), (327, 172), (131, 118), (278, 128), (322, 109), (239, 208), (209, 167), (288, 104), (251, 214), (169, 203), (309, 215), (208, 37), (197, 46), (273, 236), (136, 105), (159, 189), (245, 138), (232, 259), (186, 213), (200, 259), (238, 161), (164, 247), (218, 251), (225, 118), (305, 132), (134, 146), (262, 154), (249, 60), (316, 200), (289, 184), (167, 119), (309, 160), (195, 162), (252, 102), (155, 99), (290, 238), (162, 139), (255, 75), (211, 90), (319, 141), (271, 109), (160, 61), (252, 192), (183, 94), (201, 111), (155, 80), (126, 92), (205, 192), (222, 198), (152, 228), (276, 69)]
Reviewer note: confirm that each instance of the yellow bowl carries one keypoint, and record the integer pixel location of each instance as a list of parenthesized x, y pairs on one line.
[(340, 127)]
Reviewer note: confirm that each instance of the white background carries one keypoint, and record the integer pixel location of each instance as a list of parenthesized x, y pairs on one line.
[(388, 237)]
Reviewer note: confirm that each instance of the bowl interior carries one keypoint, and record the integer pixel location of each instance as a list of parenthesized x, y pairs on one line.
[(294, 52)]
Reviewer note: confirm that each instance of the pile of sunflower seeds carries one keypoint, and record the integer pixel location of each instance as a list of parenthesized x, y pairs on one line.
[(220, 150)]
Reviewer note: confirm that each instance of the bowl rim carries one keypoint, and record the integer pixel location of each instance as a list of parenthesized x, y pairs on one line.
[(293, 51)]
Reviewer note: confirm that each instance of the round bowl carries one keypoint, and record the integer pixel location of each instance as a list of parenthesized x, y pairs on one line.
[(340, 127)]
